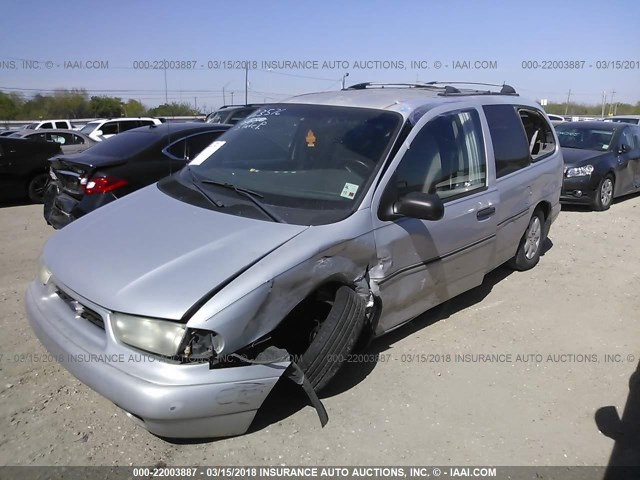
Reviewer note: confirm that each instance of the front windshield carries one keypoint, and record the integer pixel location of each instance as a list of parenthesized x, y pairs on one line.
[(89, 127), (31, 126), (313, 157), (584, 138)]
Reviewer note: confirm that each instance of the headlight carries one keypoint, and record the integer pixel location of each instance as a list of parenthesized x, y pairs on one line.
[(579, 171), (158, 336), (44, 274)]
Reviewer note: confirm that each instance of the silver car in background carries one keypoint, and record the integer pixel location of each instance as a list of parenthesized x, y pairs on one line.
[(70, 141), (311, 225)]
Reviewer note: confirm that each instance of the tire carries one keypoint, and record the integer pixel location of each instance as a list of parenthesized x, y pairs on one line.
[(604, 194), (335, 338), (530, 247), (37, 186)]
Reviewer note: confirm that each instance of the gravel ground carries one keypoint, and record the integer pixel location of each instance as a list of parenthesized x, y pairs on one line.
[(552, 327)]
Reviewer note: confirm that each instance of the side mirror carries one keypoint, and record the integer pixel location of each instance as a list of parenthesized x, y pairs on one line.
[(623, 149), (419, 205), (98, 133)]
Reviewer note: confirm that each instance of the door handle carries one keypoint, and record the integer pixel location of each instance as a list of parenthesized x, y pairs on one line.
[(485, 213)]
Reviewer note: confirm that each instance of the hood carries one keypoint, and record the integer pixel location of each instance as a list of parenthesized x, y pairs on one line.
[(576, 157), (151, 255)]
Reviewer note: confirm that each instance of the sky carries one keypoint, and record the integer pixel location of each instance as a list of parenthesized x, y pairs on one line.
[(529, 45)]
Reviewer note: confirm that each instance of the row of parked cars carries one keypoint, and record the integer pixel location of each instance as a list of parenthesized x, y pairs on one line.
[(275, 246)]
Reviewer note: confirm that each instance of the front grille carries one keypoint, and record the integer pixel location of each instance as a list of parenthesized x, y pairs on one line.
[(81, 310)]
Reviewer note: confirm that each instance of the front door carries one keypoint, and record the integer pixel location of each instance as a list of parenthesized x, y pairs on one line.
[(626, 162), (423, 263)]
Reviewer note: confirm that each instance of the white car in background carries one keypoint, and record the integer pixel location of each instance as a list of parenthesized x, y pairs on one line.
[(632, 119), (49, 124), (555, 119), (98, 130)]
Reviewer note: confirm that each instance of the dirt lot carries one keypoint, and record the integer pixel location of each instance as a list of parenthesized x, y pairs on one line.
[(578, 305)]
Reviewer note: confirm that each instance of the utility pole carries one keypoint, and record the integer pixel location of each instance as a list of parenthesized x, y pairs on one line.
[(195, 101), (566, 108), (613, 92), (604, 100), (246, 82), (166, 97), (231, 98)]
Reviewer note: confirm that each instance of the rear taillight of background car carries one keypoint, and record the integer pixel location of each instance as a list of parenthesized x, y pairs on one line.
[(94, 185)]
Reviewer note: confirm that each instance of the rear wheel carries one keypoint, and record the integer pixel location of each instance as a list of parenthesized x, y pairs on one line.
[(333, 338), (604, 194), (528, 253), (37, 186)]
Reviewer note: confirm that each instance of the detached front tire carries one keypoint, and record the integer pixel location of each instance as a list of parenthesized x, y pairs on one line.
[(530, 247), (334, 339)]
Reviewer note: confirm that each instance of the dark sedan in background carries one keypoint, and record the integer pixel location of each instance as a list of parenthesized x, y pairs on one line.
[(602, 162), (24, 167), (120, 165)]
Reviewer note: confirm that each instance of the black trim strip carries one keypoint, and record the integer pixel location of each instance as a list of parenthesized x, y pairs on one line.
[(432, 260), (513, 217)]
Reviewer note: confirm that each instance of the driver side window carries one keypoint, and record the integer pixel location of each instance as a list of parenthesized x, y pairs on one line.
[(446, 158), (626, 139)]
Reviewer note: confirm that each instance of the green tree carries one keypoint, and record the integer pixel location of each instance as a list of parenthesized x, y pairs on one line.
[(106, 107), (70, 104), (10, 106), (172, 110), (134, 108)]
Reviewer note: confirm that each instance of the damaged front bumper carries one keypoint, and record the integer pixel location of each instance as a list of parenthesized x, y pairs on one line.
[(168, 399)]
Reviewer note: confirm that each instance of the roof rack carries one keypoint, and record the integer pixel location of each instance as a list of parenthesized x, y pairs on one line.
[(443, 88), (242, 105)]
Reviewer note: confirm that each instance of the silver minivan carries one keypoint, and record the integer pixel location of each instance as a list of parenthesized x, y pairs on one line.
[(310, 226)]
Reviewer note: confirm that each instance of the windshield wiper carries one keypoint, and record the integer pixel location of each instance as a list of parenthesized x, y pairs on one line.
[(251, 195), (213, 201)]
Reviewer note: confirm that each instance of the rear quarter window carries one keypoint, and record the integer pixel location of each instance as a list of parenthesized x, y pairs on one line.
[(510, 146)]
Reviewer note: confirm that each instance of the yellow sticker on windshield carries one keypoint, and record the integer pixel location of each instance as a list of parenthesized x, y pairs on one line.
[(310, 139)]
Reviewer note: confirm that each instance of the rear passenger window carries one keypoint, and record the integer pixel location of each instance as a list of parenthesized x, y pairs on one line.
[(128, 125), (197, 143), (109, 128), (510, 145), (445, 158), (539, 134), (39, 136), (78, 140), (62, 125)]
